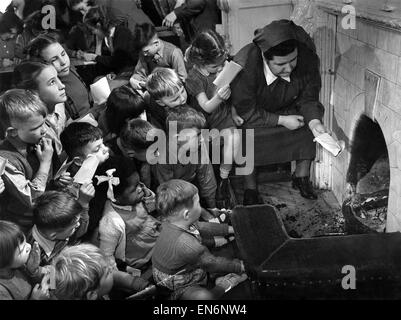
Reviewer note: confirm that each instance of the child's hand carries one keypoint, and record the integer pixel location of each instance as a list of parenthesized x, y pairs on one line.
[(86, 194), (41, 291), (44, 150), (2, 186), (224, 92), (89, 56), (136, 84), (103, 154), (149, 200), (7, 62), (34, 259), (230, 280), (64, 180), (236, 118)]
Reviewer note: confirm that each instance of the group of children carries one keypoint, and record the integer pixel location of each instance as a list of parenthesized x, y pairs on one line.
[(140, 212)]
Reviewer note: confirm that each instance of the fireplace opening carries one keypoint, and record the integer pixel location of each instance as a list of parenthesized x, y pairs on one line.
[(368, 179)]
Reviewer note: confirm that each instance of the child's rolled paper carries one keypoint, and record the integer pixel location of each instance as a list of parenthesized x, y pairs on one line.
[(3, 163), (87, 170)]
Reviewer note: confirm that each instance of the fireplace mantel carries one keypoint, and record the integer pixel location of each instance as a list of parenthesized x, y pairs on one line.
[(368, 10)]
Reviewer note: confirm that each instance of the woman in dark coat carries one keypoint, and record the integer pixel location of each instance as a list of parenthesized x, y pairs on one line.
[(277, 94)]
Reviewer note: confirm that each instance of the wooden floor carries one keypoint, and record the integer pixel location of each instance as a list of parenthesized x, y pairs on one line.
[(301, 217)]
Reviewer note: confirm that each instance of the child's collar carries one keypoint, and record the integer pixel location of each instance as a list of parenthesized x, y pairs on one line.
[(6, 273), (202, 71), (18, 144), (121, 207)]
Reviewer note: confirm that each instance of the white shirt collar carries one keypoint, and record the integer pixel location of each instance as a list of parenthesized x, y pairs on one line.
[(270, 77), (46, 244), (107, 40)]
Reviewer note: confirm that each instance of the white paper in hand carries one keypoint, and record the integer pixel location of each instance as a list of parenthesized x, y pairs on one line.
[(100, 90), (87, 170), (330, 144), (228, 74), (3, 163)]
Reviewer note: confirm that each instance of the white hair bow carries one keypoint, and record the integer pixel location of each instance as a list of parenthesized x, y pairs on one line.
[(112, 181)]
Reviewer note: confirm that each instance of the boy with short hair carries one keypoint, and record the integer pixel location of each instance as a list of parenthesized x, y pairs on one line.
[(80, 140), (180, 262), (28, 153), (59, 220), (166, 91), (83, 273), (189, 124), (155, 53), (132, 143), (166, 88)]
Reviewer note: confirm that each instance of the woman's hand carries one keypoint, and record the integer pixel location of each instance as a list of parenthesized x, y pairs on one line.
[(291, 122), (317, 127), (236, 118)]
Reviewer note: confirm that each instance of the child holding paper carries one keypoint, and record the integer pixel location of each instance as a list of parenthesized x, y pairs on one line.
[(84, 146), (208, 55)]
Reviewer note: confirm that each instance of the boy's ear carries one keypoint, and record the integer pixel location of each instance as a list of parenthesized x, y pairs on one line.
[(52, 235), (186, 214), (91, 295), (11, 132)]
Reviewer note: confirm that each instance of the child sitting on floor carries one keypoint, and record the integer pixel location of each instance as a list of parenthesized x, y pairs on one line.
[(47, 48), (59, 219), (28, 152), (123, 104), (42, 79), (208, 55), (15, 262), (127, 231), (82, 141), (188, 124), (155, 53), (166, 91), (133, 143), (180, 262), (10, 26), (83, 273)]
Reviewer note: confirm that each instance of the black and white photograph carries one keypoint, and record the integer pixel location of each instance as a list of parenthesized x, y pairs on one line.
[(227, 152)]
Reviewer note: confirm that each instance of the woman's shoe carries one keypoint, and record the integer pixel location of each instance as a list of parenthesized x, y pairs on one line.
[(304, 185)]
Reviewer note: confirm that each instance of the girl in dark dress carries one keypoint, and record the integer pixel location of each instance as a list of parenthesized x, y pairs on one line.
[(208, 55)]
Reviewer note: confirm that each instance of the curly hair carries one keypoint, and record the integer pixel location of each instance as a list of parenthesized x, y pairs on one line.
[(207, 48)]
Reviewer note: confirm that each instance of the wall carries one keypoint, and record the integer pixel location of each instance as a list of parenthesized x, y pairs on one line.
[(377, 48), (244, 16)]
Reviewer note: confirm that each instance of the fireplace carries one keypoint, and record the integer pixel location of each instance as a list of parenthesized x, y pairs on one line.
[(361, 77), (368, 179)]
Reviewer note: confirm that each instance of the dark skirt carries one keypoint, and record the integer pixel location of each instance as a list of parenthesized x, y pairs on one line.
[(279, 145)]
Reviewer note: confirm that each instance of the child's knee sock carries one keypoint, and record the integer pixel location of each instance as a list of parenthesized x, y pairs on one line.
[(225, 170)]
